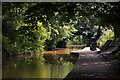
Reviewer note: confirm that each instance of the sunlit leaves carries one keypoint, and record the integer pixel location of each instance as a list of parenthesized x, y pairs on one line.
[(107, 35), (33, 26)]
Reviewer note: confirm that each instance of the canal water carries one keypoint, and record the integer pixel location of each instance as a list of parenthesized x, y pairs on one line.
[(48, 64)]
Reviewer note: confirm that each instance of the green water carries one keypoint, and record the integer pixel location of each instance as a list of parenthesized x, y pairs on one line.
[(53, 66), (36, 71)]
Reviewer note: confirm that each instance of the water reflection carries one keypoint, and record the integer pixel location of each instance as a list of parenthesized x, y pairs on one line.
[(49, 64), (66, 50), (59, 51), (51, 68)]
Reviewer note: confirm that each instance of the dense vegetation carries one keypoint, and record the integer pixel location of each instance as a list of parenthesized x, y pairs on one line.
[(107, 35), (34, 27)]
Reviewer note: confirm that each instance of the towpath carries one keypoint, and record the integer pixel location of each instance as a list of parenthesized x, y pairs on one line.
[(90, 64)]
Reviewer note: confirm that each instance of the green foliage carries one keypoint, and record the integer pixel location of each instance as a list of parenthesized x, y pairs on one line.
[(58, 33), (55, 21), (78, 40), (19, 37), (107, 35), (32, 40), (34, 27), (11, 21)]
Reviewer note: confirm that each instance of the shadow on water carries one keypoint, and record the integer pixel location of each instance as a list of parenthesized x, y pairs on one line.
[(49, 64)]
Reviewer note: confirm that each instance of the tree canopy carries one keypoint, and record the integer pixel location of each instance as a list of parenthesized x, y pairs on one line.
[(42, 25)]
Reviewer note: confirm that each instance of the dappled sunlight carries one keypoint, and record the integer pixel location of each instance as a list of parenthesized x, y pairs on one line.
[(76, 45), (85, 64), (95, 63), (81, 55), (68, 50), (59, 51), (45, 40), (87, 75), (103, 63)]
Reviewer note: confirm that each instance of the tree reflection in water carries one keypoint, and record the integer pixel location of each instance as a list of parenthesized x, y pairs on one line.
[(50, 64)]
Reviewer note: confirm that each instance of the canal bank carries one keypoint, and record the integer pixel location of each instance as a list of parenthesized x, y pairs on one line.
[(91, 65)]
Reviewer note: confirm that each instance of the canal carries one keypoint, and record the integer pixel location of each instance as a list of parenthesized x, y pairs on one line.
[(47, 64)]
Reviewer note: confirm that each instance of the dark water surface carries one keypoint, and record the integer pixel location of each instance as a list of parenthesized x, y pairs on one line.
[(47, 64)]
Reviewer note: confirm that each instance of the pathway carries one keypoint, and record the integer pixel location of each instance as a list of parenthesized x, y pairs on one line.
[(91, 65)]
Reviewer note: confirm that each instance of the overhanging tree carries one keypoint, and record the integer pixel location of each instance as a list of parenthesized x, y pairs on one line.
[(109, 13), (56, 19)]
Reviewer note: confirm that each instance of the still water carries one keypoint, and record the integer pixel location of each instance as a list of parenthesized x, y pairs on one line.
[(47, 64)]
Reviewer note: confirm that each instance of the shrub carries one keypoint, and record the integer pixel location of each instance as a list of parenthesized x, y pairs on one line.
[(107, 35)]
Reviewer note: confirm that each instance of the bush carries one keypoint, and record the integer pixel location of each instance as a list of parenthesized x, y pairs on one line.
[(108, 35)]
